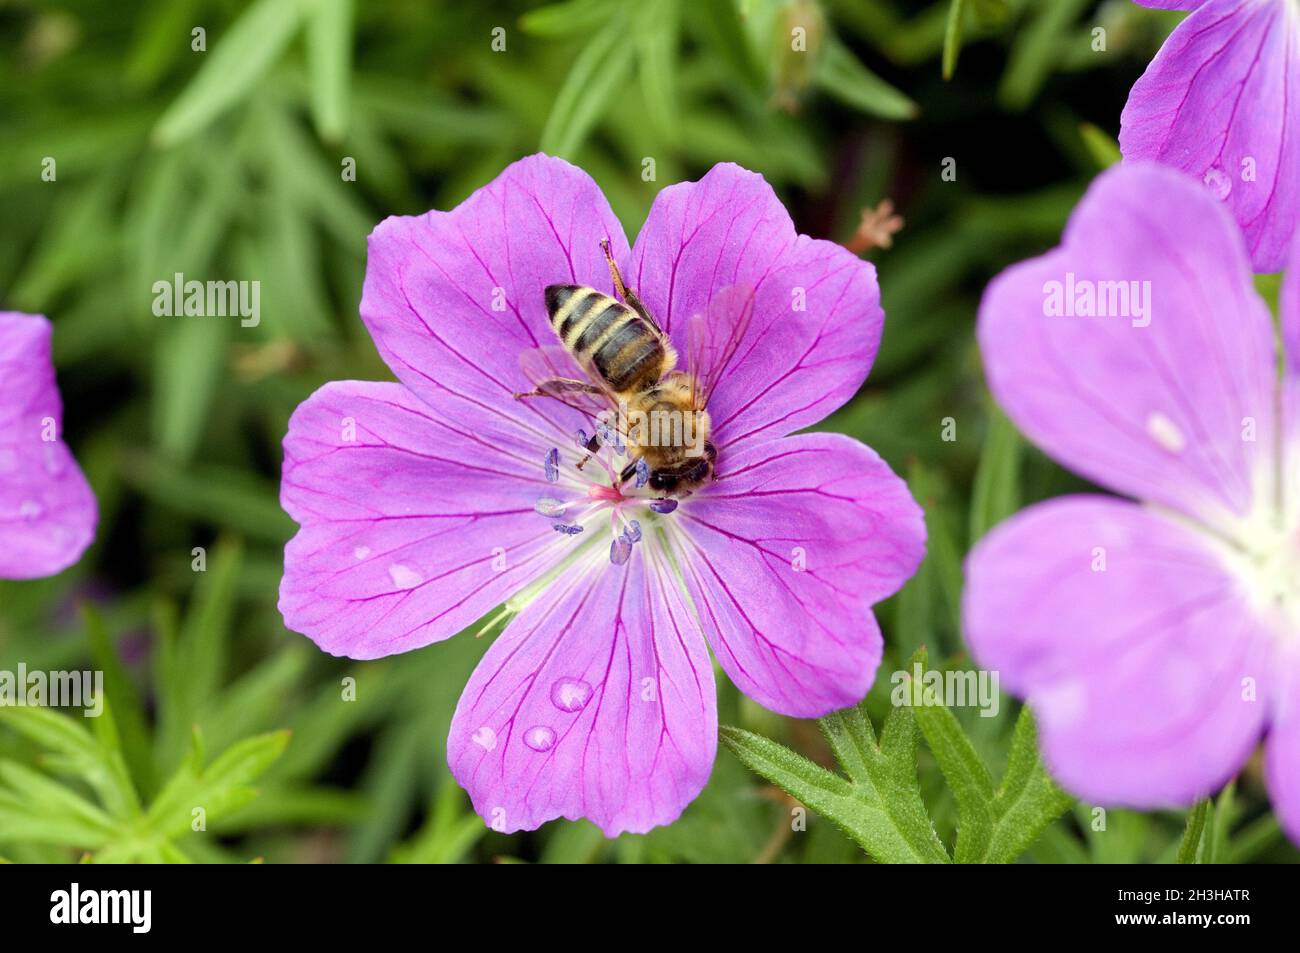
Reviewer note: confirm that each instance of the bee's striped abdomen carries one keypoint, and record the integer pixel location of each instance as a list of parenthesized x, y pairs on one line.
[(607, 335)]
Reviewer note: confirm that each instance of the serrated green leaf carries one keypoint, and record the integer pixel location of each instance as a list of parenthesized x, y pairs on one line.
[(879, 806), (1028, 799), (219, 789), (967, 777)]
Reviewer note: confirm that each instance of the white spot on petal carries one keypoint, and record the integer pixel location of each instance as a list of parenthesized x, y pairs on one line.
[(404, 577), (1166, 433)]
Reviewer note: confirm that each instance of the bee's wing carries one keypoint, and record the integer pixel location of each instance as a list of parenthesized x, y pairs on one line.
[(714, 337), (554, 373)]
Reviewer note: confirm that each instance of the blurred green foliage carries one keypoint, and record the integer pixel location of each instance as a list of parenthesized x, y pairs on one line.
[(227, 162)]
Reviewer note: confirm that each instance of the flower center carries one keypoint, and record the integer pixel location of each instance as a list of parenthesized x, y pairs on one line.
[(1277, 579), (596, 480)]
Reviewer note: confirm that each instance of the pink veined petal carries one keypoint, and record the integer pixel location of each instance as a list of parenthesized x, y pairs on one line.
[(1144, 658), (414, 523), (784, 557), (1163, 406), (1282, 751), (453, 298), (817, 317), (1221, 101), (1170, 4), (48, 513), (1290, 308), (598, 701)]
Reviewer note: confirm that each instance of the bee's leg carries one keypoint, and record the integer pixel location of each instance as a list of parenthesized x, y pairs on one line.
[(620, 289), (558, 386), (623, 291), (628, 473), (591, 446)]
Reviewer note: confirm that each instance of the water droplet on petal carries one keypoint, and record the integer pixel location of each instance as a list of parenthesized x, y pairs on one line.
[(1218, 182), (404, 577), (1166, 433), (570, 694), (485, 738), (540, 738), (550, 508), (30, 510), (55, 459), (361, 552)]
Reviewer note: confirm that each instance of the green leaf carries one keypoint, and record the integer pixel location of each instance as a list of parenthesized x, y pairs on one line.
[(598, 73), (1191, 841), (236, 63), (55, 800), (996, 491), (329, 66), (1217, 841), (879, 805), (656, 42), (1100, 145), (1028, 799), (841, 74), (952, 37), (566, 19), (128, 712), (967, 777), (994, 826), (1037, 47), (219, 789)]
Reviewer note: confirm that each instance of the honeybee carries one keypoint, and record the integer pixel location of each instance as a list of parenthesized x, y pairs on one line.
[(630, 365)]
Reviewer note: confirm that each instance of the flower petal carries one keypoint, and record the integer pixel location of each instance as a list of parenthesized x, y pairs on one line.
[(817, 317), (1282, 751), (784, 557), (597, 701), (1131, 639), (48, 513), (1221, 101), (1175, 406), (414, 522), (1170, 4), (1290, 308), (452, 299)]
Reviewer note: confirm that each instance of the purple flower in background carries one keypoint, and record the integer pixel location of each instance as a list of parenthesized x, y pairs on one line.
[(1221, 101), (1157, 640), (428, 503), (47, 510)]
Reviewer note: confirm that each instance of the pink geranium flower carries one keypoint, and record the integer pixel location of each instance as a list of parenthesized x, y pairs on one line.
[(1158, 640), (47, 510), (1221, 101), (428, 503)]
